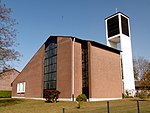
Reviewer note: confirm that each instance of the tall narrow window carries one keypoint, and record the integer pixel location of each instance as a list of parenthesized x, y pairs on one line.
[(85, 78), (50, 64)]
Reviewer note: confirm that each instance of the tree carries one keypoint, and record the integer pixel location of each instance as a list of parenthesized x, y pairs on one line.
[(142, 74), (141, 67), (146, 80), (7, 37)]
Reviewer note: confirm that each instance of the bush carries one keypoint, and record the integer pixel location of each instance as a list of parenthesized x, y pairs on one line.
[(143, 94), (5, 94), (81, 98), (127, 94), (51, 95)]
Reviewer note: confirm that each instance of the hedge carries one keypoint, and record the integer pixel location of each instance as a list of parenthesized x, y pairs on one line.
[(5, 94)]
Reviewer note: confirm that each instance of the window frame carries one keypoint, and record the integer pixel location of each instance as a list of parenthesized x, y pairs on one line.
[(21, 87)]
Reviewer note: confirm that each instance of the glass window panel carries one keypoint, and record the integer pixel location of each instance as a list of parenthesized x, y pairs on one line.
[(50, 66), (47, 85), (53, 84), (46, 69), (50, 45), (50, 53), (46, 77), (55, 45), (54, 67), (49, 76), (53, 52), (50, 61), (53, 59), (46, 62), (54, 76)]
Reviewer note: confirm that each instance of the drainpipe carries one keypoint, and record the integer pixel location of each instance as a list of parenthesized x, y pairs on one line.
[(73, 69)]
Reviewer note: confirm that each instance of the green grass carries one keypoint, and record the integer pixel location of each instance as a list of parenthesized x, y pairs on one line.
[(39, 106), (5, 94)]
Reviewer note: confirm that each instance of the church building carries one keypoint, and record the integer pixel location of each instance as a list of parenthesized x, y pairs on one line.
[(73, 66)]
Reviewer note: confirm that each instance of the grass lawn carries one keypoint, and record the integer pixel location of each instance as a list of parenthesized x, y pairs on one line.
[(38, 106)]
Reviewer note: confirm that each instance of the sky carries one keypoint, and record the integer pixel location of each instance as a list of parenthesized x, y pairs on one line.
[(85, 19)]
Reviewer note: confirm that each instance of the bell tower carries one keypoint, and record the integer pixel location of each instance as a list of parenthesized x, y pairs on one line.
[(118, 33)]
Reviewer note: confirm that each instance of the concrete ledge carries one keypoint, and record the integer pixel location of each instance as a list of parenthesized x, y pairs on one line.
[(70, 99), (29, 98), (103, 99)]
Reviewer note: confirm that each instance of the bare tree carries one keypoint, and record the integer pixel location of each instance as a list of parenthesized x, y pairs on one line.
[(7, 37), (141, 67), (145, 80)]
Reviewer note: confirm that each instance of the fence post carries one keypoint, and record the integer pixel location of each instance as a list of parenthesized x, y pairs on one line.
[(63, 110), (138, 106), (108, 109)]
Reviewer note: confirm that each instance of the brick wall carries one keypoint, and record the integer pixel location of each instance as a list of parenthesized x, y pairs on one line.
[(32, 74), (105, 73), (64, 50), (6, 78)]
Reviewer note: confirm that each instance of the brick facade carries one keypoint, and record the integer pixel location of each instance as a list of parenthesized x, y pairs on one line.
[(104, 71), (32, 74), (6, 78), (64, 67), (105, 74)]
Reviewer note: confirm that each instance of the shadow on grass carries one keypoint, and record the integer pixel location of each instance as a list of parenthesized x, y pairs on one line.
[(8, 102), (50, 101), (139, 100)]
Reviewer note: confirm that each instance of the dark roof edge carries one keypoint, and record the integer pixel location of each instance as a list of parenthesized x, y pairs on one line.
[(97, 45), (116, 14), (105, 47), (94, 43)]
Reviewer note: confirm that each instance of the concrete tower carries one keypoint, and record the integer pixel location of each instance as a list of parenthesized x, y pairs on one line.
[(118, 33)]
